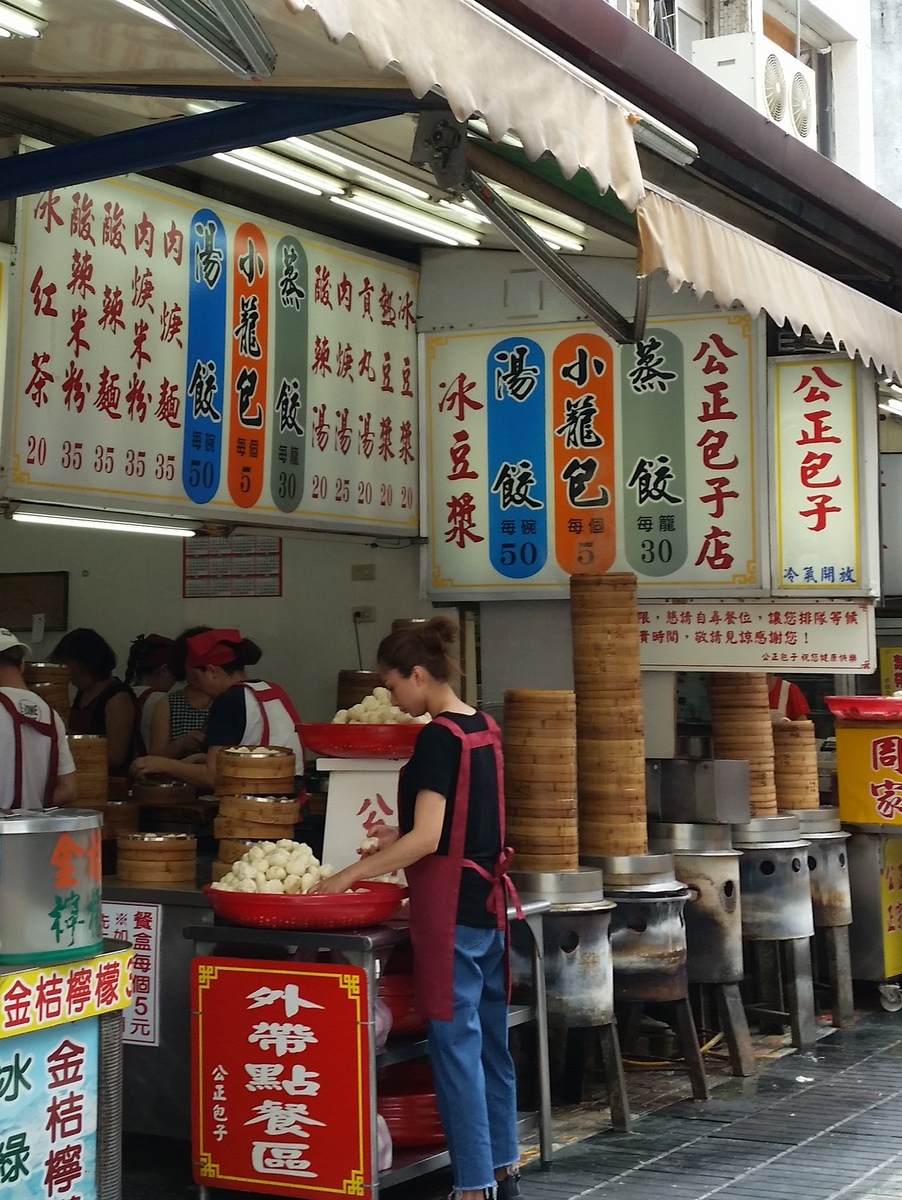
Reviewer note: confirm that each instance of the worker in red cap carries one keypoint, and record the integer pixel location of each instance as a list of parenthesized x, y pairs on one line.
[(243, 712)]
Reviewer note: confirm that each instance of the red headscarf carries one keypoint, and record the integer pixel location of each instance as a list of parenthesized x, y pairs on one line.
[(155, 649), (210, 650)]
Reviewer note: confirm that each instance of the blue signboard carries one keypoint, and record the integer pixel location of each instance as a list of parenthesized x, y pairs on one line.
[(205, 385)]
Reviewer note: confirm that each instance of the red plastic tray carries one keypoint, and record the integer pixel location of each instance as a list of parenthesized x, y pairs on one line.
[(406, 1099), (865, 708), (368, 904), (360, 741)]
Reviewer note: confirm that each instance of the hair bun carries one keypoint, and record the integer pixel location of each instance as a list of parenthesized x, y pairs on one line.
[(440, 632)]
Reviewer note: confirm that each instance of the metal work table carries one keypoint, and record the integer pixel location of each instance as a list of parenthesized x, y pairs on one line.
[(366, 949)]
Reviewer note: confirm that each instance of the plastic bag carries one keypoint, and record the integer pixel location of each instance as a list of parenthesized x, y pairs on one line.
[(383, 1144), (383, 1024)]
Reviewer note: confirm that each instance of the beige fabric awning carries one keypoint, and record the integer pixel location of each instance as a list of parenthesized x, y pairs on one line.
[(695, 248), (484, 66)]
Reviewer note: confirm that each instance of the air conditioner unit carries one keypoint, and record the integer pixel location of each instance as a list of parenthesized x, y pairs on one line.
[(764, 75)]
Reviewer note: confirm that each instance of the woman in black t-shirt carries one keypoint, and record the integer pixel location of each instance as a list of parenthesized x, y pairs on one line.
[(450, 841)]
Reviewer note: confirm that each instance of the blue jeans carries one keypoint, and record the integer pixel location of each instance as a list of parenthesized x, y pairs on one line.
[(475, 1086)]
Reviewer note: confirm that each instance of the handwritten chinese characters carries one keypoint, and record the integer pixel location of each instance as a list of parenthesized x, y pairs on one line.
[(281, 1075), (48, 1112), (818, 535), (180, 353)]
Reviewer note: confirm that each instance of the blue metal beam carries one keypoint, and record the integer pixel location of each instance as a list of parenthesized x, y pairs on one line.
[(180, 140)]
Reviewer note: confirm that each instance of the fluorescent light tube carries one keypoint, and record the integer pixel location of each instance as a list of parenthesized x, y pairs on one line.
[(278, 164), (414, 216), (15, 23), (892, 406), (351, 164), (146, 11), (556, 238), (31, 518), (375, 215)]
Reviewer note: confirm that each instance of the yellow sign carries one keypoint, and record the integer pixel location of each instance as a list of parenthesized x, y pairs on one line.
[(869, 772), (45, 996), (890, 669), (891, 905)]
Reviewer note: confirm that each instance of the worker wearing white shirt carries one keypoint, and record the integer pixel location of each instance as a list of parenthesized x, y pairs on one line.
[(36, 765)]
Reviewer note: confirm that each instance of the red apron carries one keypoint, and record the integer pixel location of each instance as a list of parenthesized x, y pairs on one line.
[(434, 885), (48, 729), (263, 696)]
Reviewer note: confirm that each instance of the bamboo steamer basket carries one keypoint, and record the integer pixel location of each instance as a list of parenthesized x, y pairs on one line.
[(51, 682), (255, 771), (354, 686), (540, 776), (262, 810), (152, 792), (227, 827), (156, 858), (742, 729), (795, 765), (120, 817), (229, 850), (91, 770)]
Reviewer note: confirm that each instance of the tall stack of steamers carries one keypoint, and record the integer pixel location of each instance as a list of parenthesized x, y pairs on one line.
[(708, 877)]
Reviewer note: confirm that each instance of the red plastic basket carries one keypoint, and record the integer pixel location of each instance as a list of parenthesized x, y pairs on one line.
[(406, 1099), (397, 992), (369, 904), (865, 708), (360, 741)]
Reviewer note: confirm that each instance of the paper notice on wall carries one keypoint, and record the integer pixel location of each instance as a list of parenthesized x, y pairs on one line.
[(142, 926)]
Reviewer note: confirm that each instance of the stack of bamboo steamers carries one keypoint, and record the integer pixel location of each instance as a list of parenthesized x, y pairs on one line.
[(795, 765), (540, 779), (742, 728), (255, 786), (610, 742)]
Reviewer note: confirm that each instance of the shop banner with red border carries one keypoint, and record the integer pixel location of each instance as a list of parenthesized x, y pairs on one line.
[(836, 637), (281, 1077), (175, 357), (557, 452)]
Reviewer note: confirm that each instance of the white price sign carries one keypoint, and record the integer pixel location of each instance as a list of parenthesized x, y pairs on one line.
[(183, 357), (142, 926)]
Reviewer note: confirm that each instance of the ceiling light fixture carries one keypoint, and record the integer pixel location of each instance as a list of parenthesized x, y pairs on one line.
[(146, 11), (323, 154), (554, 237), (39, 518), (414, 216), (15, 23), (282, 170), (400, 222)]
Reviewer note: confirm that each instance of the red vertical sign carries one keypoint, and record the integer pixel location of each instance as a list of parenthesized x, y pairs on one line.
[(280, 1080), (250, 330)]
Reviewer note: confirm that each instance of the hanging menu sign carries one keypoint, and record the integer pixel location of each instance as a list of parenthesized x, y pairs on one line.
[(816, 465), (559, 453), (181, 359)]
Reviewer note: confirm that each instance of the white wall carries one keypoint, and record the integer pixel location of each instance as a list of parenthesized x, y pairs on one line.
[(124, 584)]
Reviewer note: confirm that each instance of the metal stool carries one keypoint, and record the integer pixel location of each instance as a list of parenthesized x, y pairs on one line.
[(777, 922)]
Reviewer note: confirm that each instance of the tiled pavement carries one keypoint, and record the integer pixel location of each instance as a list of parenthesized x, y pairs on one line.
[(825, 1125), (814, 1126)]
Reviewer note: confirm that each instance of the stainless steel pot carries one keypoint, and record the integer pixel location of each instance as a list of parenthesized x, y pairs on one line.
[(49, 886)]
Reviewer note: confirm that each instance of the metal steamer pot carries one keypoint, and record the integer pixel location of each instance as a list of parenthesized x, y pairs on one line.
[(579, 971), (49, 886), (704, 860)]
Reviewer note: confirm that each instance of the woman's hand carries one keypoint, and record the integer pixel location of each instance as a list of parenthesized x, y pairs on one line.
[(339, 882), (150, 764), (385, 835)]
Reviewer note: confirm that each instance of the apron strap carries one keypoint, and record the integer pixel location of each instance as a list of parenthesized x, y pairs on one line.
[(49, 730)]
